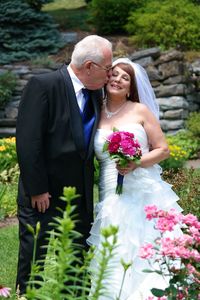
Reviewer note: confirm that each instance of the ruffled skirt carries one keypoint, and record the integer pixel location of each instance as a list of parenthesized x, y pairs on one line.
[(140, 188)]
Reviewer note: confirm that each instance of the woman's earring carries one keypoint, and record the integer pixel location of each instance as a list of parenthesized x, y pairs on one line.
[(128, 96)]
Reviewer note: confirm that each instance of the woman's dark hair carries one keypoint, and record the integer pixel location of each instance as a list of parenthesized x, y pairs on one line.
[(133, 86)]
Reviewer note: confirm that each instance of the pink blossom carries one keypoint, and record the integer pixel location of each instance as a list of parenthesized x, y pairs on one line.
[(151, 211), (164, 224), (190, 219), (168, 247), (195, 233), (147, 251), (115, 137), (4, 291), (190, 269), (113, 147)]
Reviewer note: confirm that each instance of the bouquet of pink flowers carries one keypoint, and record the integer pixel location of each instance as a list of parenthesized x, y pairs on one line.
[(177, 258), (122, 147)]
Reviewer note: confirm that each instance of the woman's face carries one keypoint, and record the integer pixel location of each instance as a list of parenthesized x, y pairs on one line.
[(119, 83)]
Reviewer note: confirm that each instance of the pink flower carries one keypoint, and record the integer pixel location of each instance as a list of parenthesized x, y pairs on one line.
[(147, 251), (190, 219), (195, 233), (113, 147), (151, 211), (127, 148), (190, 269), (4, 291), (164, 224)]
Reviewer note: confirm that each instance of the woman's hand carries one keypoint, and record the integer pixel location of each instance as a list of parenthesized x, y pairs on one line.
[(131, 166)]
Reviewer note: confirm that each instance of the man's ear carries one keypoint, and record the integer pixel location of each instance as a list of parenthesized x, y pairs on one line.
[(87, 66)]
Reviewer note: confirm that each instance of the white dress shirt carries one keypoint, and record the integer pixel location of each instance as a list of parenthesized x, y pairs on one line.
[(78, 86)]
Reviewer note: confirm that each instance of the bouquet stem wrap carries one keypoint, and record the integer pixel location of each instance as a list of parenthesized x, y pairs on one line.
[(119, 187)]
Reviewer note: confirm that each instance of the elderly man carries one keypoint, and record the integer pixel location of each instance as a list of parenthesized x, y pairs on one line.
[(57, 120)]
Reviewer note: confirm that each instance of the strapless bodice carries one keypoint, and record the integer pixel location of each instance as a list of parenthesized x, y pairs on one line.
[(135, 128)]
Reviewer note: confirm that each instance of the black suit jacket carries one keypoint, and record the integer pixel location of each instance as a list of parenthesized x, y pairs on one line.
[(50, 141)]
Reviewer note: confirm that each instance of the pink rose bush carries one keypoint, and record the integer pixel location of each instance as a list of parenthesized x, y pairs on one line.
[(4, 291), (177, 256), (122, 147)]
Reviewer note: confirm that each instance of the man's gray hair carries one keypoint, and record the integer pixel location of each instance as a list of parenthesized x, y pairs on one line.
[(90, 48)]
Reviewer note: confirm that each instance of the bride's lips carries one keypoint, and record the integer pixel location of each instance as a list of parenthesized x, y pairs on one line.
[(115, 86)]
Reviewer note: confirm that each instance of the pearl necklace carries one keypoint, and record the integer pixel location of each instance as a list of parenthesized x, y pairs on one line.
[(110, 114)]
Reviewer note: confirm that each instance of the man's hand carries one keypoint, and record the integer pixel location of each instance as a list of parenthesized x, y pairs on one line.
[(41, 202)]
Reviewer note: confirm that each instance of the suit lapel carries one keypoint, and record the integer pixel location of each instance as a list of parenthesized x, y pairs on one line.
[(75, 117)]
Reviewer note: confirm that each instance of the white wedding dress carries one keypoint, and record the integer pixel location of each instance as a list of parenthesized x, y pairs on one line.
[(142, 187)]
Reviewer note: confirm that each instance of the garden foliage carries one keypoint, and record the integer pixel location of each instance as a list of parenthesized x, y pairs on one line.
[(185, 144), (7, 86), (192, 124), (186, 184), (110, 16), (9, 173), (168, 24), (25, 32), (64, 262)]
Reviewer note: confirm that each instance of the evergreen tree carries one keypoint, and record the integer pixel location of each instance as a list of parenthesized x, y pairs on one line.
[(25, 32)]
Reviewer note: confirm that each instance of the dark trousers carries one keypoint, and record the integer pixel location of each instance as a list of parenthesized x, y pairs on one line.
[(28, 215)]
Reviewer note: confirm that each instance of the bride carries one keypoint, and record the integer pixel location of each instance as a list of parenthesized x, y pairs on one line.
[(130, 106)]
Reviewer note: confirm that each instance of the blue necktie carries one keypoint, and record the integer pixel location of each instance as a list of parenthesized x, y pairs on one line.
[(87, 117)]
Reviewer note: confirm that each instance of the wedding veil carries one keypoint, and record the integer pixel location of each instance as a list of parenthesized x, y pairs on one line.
[(145, 90)]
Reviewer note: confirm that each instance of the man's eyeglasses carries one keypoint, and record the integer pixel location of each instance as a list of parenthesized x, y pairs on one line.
[(107, 69)]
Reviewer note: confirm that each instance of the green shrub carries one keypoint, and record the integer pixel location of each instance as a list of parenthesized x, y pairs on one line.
[(177, 159), (187, 142), (186, 184), (110, 16), (8, 192), (7, 86), (193, 124), (25, 33), (168, 24)]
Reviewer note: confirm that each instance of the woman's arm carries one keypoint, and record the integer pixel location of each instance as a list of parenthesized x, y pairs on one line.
[(159, 148)]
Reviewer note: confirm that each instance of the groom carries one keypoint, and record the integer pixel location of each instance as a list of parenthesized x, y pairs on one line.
[(54, 137)]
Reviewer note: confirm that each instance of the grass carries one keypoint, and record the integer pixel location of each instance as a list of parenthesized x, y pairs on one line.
[(8, 254), (70, 15)]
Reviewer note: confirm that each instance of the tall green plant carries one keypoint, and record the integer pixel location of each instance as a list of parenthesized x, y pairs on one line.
[(63, 263)]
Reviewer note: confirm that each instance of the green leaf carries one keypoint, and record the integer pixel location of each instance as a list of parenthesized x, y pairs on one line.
[(105, 147), (158, 292)]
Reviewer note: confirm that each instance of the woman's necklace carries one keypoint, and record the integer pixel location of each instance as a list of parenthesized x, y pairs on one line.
[(110, 114)]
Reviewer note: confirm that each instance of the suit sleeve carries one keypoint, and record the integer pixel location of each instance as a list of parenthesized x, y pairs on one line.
[(30, 138)]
